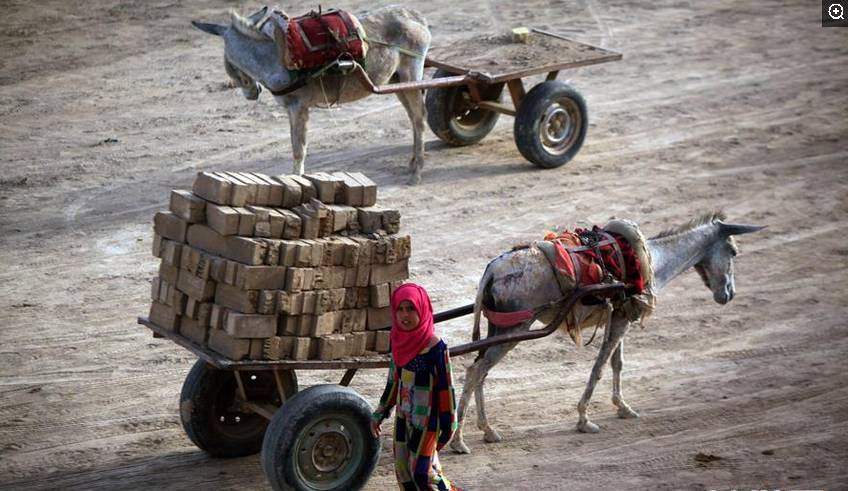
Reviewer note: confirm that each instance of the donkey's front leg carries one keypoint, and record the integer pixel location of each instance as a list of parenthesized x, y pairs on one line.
[(298, 111), (617, 361), (611, 339)]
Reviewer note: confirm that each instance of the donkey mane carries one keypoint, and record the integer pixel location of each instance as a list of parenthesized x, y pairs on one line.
[(705, 219), (246, 26)]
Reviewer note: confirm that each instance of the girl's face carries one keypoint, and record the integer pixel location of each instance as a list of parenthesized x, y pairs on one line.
[(407, 316)]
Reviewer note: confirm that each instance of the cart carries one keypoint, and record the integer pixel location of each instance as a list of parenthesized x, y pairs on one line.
[(315, 439), (464, 97)]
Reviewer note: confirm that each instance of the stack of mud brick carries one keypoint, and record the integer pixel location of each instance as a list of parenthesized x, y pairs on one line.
[(279, 267)]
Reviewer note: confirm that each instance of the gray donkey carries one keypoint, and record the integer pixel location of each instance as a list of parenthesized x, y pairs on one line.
[(524, 278), (398, 39)]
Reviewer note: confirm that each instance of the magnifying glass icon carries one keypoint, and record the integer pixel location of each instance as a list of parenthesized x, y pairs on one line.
[(836, 12)]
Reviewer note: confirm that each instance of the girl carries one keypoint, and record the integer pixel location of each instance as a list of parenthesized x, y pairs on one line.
[(420, 383)]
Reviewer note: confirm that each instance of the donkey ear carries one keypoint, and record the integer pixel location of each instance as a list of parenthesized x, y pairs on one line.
[(216, 29), (733, 229), (258, 15)]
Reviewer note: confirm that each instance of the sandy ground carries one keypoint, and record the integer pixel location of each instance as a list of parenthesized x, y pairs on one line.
[(727, 105)]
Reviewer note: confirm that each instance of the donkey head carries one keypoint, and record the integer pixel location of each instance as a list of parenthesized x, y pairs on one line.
[(716, 266), (253, 52)]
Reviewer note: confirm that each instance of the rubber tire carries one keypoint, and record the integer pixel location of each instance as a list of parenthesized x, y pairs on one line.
[(440, 115), (528, 122), (279, 448), (199, 400)]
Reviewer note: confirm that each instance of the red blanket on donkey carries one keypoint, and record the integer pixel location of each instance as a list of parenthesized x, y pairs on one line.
[(317, 38), (580, 258)]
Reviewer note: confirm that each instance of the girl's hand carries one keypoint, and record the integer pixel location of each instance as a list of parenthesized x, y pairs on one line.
[(375, 429)]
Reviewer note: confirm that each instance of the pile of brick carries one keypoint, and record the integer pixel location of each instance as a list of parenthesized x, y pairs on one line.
[(279, 267)]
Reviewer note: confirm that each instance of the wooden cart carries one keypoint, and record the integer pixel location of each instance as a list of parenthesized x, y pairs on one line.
[(317, 438), (464, 97)]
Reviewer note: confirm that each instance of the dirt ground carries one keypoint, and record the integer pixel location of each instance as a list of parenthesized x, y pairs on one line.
[(106, 106)]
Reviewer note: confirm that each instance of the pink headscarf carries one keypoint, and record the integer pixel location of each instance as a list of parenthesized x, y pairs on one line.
[(407, 344)]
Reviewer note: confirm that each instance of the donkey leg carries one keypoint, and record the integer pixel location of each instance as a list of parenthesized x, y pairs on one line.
[(472, 383), (413, 102), (611, 339), (412, 69), (617, 361), (298, 117), (492, 357)]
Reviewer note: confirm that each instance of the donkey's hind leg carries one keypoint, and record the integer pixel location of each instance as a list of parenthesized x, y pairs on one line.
[(617, 361), (413, 101), (475, 375), (615, 333)]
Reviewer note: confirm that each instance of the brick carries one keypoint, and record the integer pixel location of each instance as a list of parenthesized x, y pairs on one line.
[(379, 318), (247, 221), (168, 273), (301, 348), (164, 316), (218, 269), (290, 303), (288, 325), (342, 217), (351, 252), (303, 253), (293, 224), (187, 206), (263, 189), (231, 272), (307, 189), (403, 246), (267, 302), (154, 289), (277, 223), (311, 214), (363, 298), (350, 298), (391, 221), (366, 249), (216, 317), (157, 245), (363, 274), (278, 347), (325, 186), (240, 325), (370, 219), (369, 189), (245, 250), (242, 192), (360, 339), (332, 347), (170, 226), (307, 323), (212, 187), (260, 277), (222, 219), (204, 313), (272, 251), (326, 323), (275, 189), (292, 192), (206, 239), (350, 191), (194, 330), (370, 340), (256, 349), (350, 278), (230, 347), (380, 295), (298, 279), (190, 309), (309, 300), (194, 286), (383, 273), (244, 301), (382, 342)]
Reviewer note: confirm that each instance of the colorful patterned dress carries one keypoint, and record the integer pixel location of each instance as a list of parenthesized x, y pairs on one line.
[(425, 419)]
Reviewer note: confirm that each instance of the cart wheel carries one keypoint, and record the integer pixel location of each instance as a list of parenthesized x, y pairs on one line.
[(551, 124), (321, 440), (211, 412), (454, 117)]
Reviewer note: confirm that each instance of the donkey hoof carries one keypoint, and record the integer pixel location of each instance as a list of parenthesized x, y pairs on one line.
[(625, 412), (588, 427), (414, 179), (491, 436), (460, 447)]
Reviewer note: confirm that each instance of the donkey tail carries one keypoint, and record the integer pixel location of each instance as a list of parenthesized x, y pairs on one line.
[(478, 302)]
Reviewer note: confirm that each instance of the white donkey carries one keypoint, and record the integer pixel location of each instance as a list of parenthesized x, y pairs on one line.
[(524, 279), (398, 39)]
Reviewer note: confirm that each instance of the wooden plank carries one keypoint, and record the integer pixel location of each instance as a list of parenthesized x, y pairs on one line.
[(498, 59)]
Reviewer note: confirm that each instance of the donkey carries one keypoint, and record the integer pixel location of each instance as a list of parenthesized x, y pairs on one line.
[(398, 39), (524, 279)]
